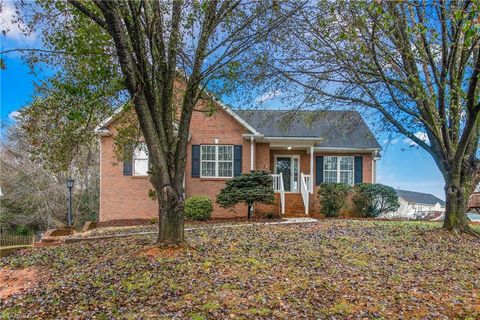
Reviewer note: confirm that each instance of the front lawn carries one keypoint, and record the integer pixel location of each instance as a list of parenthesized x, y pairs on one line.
[(330, 269)]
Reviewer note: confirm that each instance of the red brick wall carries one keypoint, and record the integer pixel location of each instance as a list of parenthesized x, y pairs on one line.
[(262, 156), (205, 130), (122, 197), (126, 197)]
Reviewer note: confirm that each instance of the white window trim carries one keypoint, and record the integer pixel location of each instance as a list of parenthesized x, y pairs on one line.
[(216, 161), (338, 170), (135, 158)]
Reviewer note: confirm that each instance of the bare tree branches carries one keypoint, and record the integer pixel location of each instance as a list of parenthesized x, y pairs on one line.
[(415, 63)]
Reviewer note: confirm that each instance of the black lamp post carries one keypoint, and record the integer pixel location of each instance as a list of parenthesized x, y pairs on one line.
[(70, 183)]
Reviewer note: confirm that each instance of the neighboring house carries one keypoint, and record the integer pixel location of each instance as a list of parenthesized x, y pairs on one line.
[(301, 149), (474, 201), (417, 205)]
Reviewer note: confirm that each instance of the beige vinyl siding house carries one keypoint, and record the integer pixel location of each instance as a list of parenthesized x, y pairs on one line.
[(417, 205)]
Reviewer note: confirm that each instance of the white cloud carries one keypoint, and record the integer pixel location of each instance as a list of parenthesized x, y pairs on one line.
[(268, 95), (14, 30), (420, 135), (13, 115)]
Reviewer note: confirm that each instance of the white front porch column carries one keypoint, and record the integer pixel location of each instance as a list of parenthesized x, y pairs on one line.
[(311, 170), (252, 153)]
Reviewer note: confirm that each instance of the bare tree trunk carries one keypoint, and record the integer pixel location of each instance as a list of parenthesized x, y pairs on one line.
[(455, 217), (457, 193), (170, 217)]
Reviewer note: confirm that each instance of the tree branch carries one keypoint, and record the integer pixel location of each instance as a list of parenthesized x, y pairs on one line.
[(83, 9)]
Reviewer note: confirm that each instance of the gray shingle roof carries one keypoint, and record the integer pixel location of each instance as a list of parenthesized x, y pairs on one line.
[(419, 197), (339, 129)]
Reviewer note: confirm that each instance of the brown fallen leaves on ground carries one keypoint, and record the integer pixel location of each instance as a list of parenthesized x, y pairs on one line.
[(18, 280), (328, 270)]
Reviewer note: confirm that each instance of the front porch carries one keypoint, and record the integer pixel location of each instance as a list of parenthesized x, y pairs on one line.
[(292, 172), (291, 164)]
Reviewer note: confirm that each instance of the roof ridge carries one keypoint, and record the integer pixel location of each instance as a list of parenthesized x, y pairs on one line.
[(431, 194)]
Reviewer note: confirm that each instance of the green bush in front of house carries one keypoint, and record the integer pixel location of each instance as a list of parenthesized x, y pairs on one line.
[(248, 188), (333, 197), (373, 199), (198, 208)]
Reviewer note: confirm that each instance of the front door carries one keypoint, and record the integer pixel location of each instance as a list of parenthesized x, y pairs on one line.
[(289, 167)]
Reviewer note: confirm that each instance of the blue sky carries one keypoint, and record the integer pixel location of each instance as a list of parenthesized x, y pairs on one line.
[(400, 167)]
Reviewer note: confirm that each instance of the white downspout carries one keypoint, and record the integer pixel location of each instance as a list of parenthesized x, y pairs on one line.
[(183, 185), (252, 153), (311, 170)]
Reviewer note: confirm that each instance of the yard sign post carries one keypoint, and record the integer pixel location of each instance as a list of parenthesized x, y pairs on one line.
[(70, 183)]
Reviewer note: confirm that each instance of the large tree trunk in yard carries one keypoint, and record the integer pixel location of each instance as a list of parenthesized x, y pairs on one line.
[(170, 217), (457, 193), (455, 212)]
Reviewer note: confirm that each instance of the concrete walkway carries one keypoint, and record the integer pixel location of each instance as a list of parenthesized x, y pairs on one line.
[(237, 225)]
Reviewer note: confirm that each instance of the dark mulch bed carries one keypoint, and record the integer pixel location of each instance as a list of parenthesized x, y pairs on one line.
[(146, 222)]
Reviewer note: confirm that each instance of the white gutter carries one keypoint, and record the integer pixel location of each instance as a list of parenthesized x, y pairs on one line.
[(295, 138), (255, 135), (106, 122), (252, 153), (346, 149)]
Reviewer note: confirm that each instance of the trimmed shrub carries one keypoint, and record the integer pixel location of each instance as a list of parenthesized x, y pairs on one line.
[(333, 197), (198, 208), (371, 200), (248, 188)]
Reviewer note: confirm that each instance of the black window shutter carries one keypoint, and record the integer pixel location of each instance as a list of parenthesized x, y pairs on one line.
[(358, 170), (319, 170), (127, 159), (237, 160), (195, 161)]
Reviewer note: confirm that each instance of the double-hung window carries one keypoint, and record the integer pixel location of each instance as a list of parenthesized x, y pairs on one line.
[(338, 170), (140, 159), (216, 161)]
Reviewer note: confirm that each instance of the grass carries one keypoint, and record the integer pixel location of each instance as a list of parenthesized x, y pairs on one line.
[(333, 269)]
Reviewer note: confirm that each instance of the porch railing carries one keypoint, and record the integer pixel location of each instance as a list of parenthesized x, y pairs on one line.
[(279, 187), (305, 186)]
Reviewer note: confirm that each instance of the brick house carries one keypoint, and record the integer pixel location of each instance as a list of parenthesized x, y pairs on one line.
[(301, 149)]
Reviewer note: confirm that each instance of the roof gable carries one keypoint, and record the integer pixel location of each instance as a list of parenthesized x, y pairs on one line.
[(102, 128)]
